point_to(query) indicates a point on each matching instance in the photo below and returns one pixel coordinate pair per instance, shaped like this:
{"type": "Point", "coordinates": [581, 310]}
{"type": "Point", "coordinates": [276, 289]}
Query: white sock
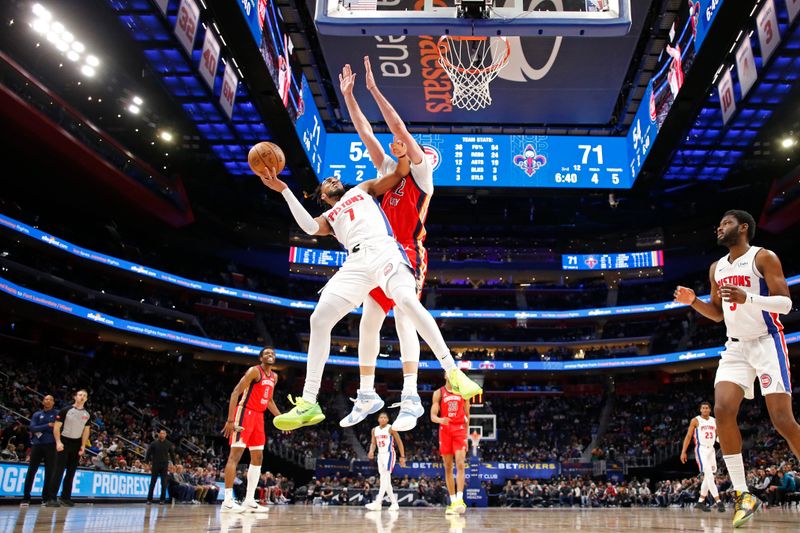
{"type": "Point", "coordinates": [735, 466]}
{"type": "Point", "coordinates": [253, 474]}
{"type": "Point", "coordinates": [452, 498]}
{"type": "Point", "coordinates": [367, 383]}
{"type": "Point", "coordinates": [228, 495]}
{"type": "Point", "coordinates": [409, 384]}
{"type": "Point", "coordinates": [459, 495]}
{"type": "Point", "coordinates": [330, 310]}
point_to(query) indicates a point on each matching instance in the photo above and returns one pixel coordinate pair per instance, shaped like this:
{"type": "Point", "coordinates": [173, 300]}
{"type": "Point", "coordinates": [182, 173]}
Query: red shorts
{"type": "Point", "coordinates": [418, 257]}
{"type": "Point", "coordinates": [252, 433]}
{"type": "Point", "coordinates": [452, 439]}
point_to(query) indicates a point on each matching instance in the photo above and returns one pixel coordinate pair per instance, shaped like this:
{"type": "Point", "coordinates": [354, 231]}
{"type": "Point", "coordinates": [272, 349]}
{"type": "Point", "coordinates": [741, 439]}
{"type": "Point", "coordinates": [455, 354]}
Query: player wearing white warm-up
{"type": "Point", "coordinates": [384, 439]}
{"type": "Point", "coordinates": [703, 430]}
{"type": "Point", "coordinates": [748, 292]}
{"type": "Point", "coordinates": [375, 259]}
{"type": "Point", "coordinates": [406, 207]}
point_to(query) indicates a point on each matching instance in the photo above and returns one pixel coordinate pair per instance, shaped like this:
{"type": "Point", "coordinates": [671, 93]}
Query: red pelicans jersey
{"type": "Point", "coordinates": [745, 321]}
{"type": "Point", "coordinates": [259, 393]}
{"type": "Point", "coordinates": [406, 206]}
{"type": "Point", "coordinates": [451, 406]}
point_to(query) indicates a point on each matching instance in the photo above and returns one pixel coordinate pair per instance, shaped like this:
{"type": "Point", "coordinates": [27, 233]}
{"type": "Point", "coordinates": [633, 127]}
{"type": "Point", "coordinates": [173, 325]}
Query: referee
{"type": "Point", "coordinates": [158, 455]}
{"type": "Point", "coordinates": [71, 431]}
{"type": "Point", "coordinates": [43, 448]}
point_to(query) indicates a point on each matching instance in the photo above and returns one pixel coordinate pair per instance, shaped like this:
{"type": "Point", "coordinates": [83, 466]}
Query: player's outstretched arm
{"type": "Point", "coordinates": [400, 447]}
{"type": "Point", "coordinates": [711, 310]}
{"type": "Point", "coordinates": [392, 118]}
{"type": "Point", "coordinates": [384, 184]}
{"type": "Point", "coordinates": [309, 224]}
{"type": "Point", "coordinates": [250, 376]}
{"type": "Point", "coordinates": [687, 439]}
{"type": "Point", "coordinates": [363, 127]}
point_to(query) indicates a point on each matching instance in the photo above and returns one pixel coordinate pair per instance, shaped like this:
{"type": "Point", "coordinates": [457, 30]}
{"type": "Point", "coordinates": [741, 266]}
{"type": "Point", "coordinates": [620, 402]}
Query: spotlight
{"type": "Point", "coordinates": [137, 100]}
{"type": "Point", "coordinates": [58, 27]}
{"type": "Point", "coordinates": [67, 37]}
{"type": "Point", "coordinates": [92, 61]}
{"type": "Point", "coordinates": [41, 26]}
{"type": "Point", "coordinates": [133, 108]}
{"type": "Point", "coordinates": [788, 142]}
{"type": "Point", "coordinates": [53, 37]}
{"type": "Point", "coordinates": [87, 71]}
{"type": "Point", "coordinates": [73, 55]}
{"type": "Point", "coordinates": [165, 136]}
{"type": "Point", "coordinates": [78, 47]}
{"type": "Point", "coordinates": [41, 12]}
{"type": "Point", "coordinates": [62, 46]}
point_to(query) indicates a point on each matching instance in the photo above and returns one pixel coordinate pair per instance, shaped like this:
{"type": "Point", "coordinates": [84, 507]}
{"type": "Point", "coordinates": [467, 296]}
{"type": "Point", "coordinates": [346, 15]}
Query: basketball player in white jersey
{"type": "Point", "coordinates": [703, 430]}
{"type": "Point", "coordinates": [375, 259]}
{"type": "Point", "coordinates": [748, 292]}
{"type": "Point", "coordinates": [384, 439]}
{"type": "Point", "coordinates": [406, 208]}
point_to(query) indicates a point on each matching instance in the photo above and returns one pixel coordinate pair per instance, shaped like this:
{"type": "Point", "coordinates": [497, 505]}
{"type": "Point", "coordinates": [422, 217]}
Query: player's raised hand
{"type": "Point", "coordinates": [347, 80]}
{"type": "Point", "coordinates": [370, 78]}
{"type": "Point", "coordinates": [731, 294]}
{"type": "Point", "coordinates": [398, 148]}
{"type": "Point", "coordinates": [685, 295]}
{"type": "Point", "coordinates": [270, 178]}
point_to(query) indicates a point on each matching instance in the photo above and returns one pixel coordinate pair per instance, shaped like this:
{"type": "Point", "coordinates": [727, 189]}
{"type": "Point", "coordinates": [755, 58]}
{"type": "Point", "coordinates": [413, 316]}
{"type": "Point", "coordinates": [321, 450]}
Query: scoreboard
{"type": "Point", "coordinates": [496, 160]}
{"type": "Point", "coordinates": [313, 256]}
{"type": "Point", "coordinates": [612, 261]}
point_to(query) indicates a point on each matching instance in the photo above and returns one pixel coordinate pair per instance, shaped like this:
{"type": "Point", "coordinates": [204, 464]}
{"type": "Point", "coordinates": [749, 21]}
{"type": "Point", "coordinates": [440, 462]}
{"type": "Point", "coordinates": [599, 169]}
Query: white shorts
{"type": "Point", "coordinates": [386, 462]}
{"type": "Point", "coordinates": [765, 358]}
{"type": "Point", "coordinates": [706, 458]}
{"type": "Point", "coordinates": [371, 266]}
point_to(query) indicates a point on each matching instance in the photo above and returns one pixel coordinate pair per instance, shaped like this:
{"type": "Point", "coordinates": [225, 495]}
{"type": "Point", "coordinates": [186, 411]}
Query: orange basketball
{"type": "Point", "coordinates": [266, 155]}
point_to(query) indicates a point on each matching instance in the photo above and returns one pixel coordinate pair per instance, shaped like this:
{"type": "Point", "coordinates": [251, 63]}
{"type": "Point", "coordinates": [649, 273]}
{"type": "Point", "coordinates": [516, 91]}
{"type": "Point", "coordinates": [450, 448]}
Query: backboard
{"type": "Point", "coordinates": [546, 18]}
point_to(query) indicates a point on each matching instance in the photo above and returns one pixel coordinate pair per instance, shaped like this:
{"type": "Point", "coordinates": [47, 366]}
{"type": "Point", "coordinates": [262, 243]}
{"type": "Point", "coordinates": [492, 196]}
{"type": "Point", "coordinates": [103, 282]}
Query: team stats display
{"type": "Point", "coordinates": [496, 160]}
{"type": "Point", "coordinates": [313, 256]}
{"type": "Point", "coordinates": [612, 261]}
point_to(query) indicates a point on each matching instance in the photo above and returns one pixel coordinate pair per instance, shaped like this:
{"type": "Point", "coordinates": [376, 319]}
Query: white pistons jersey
{"type": "Point", "coordinates": [357, 218]}
{"type": "Point", "coordinates": [705, 434]}
{"type": "Point", "coordinates": [383, 438]}
{"type": "Point", "coordinates": [745, 321]}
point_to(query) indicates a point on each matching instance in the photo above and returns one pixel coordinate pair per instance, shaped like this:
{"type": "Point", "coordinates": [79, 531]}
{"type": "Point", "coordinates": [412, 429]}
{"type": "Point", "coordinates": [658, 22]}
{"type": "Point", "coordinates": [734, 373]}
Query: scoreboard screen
{"type": "Point", "coordinates": [612, 261]}
{"type": "Point", "coordinates": [313, 256]}
{"type": "Point", "coordinates": [496, 160]}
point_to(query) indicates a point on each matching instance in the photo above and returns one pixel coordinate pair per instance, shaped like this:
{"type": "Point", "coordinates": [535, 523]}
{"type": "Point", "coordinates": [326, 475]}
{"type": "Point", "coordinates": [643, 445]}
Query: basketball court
{"type": "Point", "coordinates": [177, 519]}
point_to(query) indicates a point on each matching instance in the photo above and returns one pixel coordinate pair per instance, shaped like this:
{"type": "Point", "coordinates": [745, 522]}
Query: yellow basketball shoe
{"type": "Point", "coordinates": [462, 385]}
{"type": "Point", "coordinates": [302, 414]}
{"type": "Point", "coordinates": [746, 507]}
{"type": "Point", "coordinates": [452, 508]}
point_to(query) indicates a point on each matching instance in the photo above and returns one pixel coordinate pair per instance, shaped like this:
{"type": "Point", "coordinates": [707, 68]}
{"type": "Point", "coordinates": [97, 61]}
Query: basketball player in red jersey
{"type": "Point", "coordinates": [406, 207]}
{"type": "Point", "coordinates": [245, 429]}
{"type": "Point", "coordinates": [451, 412]}
{"type": "Point", "coordinates": [748, 292]}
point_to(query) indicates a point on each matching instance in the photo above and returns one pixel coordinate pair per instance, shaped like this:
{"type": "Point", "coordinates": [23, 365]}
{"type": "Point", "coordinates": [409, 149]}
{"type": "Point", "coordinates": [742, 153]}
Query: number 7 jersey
{"type": "Point", "coordinates": [357, 218]}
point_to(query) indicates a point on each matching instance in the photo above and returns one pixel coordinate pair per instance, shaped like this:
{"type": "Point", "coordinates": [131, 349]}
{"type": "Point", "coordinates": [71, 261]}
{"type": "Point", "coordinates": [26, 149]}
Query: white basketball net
{"type": "Point", "coordinates": [472, 63]}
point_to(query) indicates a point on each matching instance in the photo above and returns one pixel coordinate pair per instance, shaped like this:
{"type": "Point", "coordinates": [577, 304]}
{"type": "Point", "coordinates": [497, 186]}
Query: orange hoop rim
{"type": "Point", "coordinates": [473, 71]}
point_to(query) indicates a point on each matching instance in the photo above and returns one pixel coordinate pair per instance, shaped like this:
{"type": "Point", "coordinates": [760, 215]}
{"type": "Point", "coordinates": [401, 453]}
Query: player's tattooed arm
{"type": "Point", "coordinates": [250, 376]}
{"type": "Point", "coordinates": [711, 310]}
{"type": "Point", "coordinates": [384, 184]}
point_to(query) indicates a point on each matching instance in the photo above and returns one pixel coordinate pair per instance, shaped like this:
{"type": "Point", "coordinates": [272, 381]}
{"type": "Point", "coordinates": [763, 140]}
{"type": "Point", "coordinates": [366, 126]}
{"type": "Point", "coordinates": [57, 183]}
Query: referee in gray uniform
{"type": "Point", "coordinates": [71, 431]}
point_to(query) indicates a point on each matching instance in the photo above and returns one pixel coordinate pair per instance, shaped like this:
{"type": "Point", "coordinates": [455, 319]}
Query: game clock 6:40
{"type": "Point", "coordinates": [497, 160]}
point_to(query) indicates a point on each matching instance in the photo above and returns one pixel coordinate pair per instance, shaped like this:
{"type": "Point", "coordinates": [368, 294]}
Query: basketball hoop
{"type": "Point", "coordinates": [472, 63]}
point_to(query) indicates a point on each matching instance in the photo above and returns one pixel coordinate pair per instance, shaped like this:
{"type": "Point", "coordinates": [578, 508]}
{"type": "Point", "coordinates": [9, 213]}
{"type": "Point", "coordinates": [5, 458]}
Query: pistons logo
{"type": "Point", "coordinates": [766, 380]}
{"type": "Point", "coordinates": [387, 269]}
{"type": "Point", "coordinates": [433, 155]}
